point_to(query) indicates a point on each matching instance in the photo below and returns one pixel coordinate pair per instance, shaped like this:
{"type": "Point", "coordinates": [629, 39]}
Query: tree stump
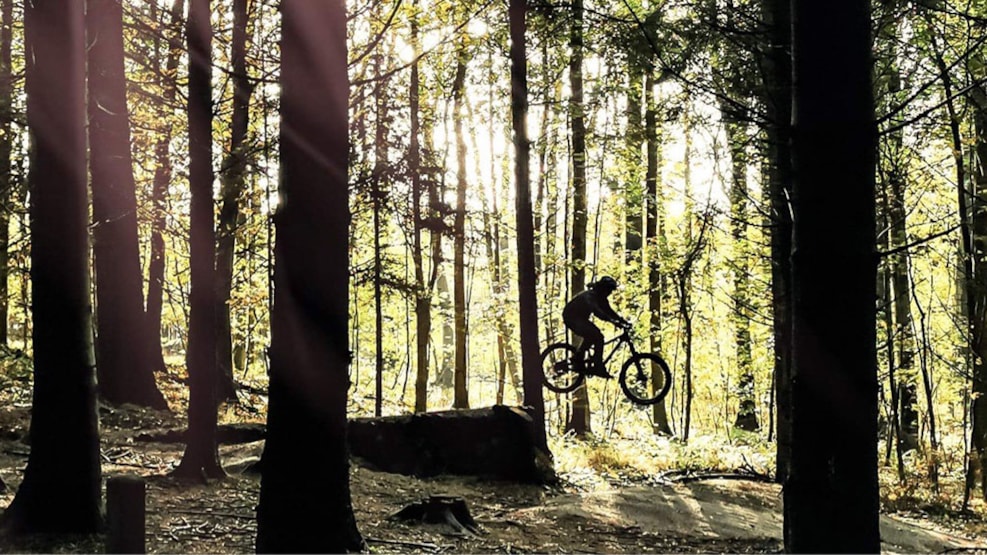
{"type": "Point", "coordinates": [441, 509]}
{"type": "Point", "coordinates": [125, 514]}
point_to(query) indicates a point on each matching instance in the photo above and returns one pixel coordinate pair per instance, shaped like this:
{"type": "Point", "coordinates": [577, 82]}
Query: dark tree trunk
{"type": "Point", "coordinates": [377, 198]}
{"type": "Point", "coordinates": [460, 390]}
{"type": "Point", "coordinates": [831, 493]}
{"type": "Point", "coordinates": [527, 280]}
{"type": "Point", "coordinates": [233, 184]}
{"type": "Point", "coordinates": [124, 374]}
{"type": "Point", "coordinates": [579, 419]}
{"type": "Point", "coordinates": [978, 282]}
{"type": "Point", "coordinates": [305, 503]}
{"type": "Point", "coordinates": [201, 458]}
{"type": "Point", "coordinates": [778, 96]}
{"type": "Point", "coordinates": [423, 290]}
{"type": "Point", "coordinates": [159, 192]}
{"type": "Point", "coordinates": [633, 191]}
{"type": "Point", "coordinates": [6, 147]}
{"type": "Point", "coordinates": [61, 488]}
{"type": "Point", "coordinates": [655, 198]}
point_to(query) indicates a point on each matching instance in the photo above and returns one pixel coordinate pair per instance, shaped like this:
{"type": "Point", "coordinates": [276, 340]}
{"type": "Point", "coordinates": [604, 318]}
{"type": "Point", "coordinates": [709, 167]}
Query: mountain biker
{"type": "Point", "coordinates": [576, 316]}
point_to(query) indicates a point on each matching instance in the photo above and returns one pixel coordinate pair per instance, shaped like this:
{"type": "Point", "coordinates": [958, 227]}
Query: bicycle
{"type": "Point", "coordinates": [644, 377]}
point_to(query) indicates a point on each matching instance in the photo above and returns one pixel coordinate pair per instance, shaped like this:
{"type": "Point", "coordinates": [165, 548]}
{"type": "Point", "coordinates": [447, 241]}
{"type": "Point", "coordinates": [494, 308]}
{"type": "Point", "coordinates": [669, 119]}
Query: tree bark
{"type": "Point", "coordinates": [460, 391]}
{"type": "Point", "coordinates": [305, 504]}
{"type": "Point", "coordinates": [527, 280]}
{"type": "Point", "coordinates": [579, 419]}
{"type": "Point", "coordinates": [978, 281]}
{"type": "Point", "coordinates": [61, 488]}
{"type": "Point", "coordinates": [6, 147]}
{"type": "Point", "coordinates": [377, 197]}
{"type": "Point", "coordinates": [778, 101]}
{"type": "Point", "coordinates": [233, 183]}
{"type": "Point", "coordinates": [159, 192]}
{"type": "Point", "coordinates": [423, 289]}
{"type": "Point", "coordinates": [831, 492]}
{"type": "Point", "coordinates": [654, 232]}
{"type": "Point", "coordinates": [124, 373]}
{"type": "Point", "coordinates": [201, 457]}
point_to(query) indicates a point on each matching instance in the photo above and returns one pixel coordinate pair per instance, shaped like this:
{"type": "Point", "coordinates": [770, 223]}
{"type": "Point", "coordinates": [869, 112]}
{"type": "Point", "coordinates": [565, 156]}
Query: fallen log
{"type": "Point", "coordinates": [226, 434]}
{"type": "Point", "coordinates": [494, 442]}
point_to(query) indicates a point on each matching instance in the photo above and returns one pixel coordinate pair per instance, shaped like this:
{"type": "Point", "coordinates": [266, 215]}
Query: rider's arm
{"type": "Point", "coordinates": [603, 310]}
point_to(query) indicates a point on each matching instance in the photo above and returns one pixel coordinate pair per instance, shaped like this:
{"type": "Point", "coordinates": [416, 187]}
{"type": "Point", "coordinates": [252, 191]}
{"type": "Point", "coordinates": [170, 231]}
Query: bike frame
{"type": "Point", "coordinates": [622, 339]}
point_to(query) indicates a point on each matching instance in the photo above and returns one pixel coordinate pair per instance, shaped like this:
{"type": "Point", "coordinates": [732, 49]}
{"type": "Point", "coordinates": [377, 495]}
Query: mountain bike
{"type": "Point", "coordinates": [644, 377]}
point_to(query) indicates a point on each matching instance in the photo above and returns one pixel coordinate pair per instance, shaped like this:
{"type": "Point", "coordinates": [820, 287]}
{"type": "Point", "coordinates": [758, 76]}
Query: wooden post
{"type": "Point", "coordinates": [125, 514]}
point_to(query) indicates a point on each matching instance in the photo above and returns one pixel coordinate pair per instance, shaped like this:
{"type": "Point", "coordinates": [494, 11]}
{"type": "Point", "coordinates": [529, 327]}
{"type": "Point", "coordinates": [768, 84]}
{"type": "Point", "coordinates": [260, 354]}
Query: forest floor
{"type": "Point", "coordinates": [625, 515]}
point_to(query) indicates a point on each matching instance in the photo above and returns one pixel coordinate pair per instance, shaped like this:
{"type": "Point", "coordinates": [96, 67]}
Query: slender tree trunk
{"type": "Point", "coordinates": [124, 376]}
{"type": "Point", "coordinates": [655, 199]}
{"type": "Point", "coordinates": [446, 356]}
{"type": "Point", "coordinates": [233, 184]}
{"type": "Point", "coordinates": [886, 299]}
{"type": "Point", "coordinates": [6, 147]}
{"type": "Point", "coordinates": [633, 191]}
{"type": "Point", "coordinates": [978, 281]}
{"type": "Point", "coordinates": [60, 492]}
{"type": "Point", "coordinates": [305, 503]}
{"type": "Point", "coordinates": [579, 420]}
{"type": "Point", "coordinates": [377, 197]}
{"type": "Point", "coordinates": [527, 282]}
{"type": "Point", "coordinates": [423, 290]}
{"type": "Point", "coordinates": [201, 457]}
{"type": "Point", "coordinates": [831, 493]}
{"type": "Point", "coordinates": [737, 140]}
{"type": "Point", "coordinates": [460, 390]}
{"type": "Point", "coordinates": [159, 192]}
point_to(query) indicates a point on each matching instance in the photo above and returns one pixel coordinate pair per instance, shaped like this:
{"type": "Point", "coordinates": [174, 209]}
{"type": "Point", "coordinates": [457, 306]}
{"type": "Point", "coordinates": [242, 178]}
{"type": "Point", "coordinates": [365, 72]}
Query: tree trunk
{"type": "Point", "coordinates": [736, 134]}
{"type": "Point", "coordinates": [831, 493]}
{"type": "Point", "coordinates": [377, 197]}
{"type": "Point", "coordinates": [460, 390]}
{"type": "Point", "coordinates": [655, 200]}
{"type": "Point", "coordinates": [423, 290]}
{"type": "Point", "coordinates": [446, 356]}
{"type": "Point", "coordinates": [527, 280]}
{"type": "Point", "coordinates": [978, 282]}
{"type": "Point", "coordinates": [778, 97]}
{"type": "Point", "coordinates": [633, 191]}
{"type": "Point", "coordinates": [159, 192]}
{"type": "Point", "coordinates": [579, 420]}
{"type": "Point", "coordinates": [6, 147]}
{"type": "Point", "coordinates": [201, 457]}
{"type": "Point", "coordinates": [124, 374]}
{"type": "Point", "coordinates": [61, 488]}
{"type": "Point", "coordinates": [305, 504]}
{"type": "Point", "coordinates": [233, 183]}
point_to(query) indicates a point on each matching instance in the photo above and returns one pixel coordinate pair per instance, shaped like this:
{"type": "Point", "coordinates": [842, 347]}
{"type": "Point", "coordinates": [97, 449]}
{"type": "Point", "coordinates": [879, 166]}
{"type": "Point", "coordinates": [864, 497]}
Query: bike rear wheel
{"type": "Point", "coordinates": [645, 378]}
{"type": "Point", "coordinates": [557, 367]}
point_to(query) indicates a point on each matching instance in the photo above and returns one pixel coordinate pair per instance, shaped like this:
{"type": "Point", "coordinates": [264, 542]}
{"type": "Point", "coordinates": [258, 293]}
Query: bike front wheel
{"type": "Point", "coordinates": [645, 378]}
{"type": "Point", "coordinates": [558, 368]}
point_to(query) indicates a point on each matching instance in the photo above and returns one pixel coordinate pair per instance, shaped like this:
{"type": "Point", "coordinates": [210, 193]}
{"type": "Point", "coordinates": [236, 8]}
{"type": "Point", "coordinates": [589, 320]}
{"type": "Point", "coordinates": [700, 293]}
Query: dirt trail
{"type": "Point", "coordinates": [710, 516]}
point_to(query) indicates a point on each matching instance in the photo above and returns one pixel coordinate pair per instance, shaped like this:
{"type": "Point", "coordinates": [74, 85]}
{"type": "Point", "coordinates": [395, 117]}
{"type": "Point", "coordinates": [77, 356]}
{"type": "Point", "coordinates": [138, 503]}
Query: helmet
{"type": "Point", "coordinates": [605, 284]}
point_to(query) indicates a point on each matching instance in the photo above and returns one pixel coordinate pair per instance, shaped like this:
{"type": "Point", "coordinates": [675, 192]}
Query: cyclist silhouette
{"type": "Point", "coordinates": [576, 316]}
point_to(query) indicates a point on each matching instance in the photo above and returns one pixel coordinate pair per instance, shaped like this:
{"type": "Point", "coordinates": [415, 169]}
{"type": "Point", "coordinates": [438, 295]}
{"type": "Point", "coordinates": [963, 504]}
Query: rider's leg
{"type": "Point", "coordinates": [592, 337]}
